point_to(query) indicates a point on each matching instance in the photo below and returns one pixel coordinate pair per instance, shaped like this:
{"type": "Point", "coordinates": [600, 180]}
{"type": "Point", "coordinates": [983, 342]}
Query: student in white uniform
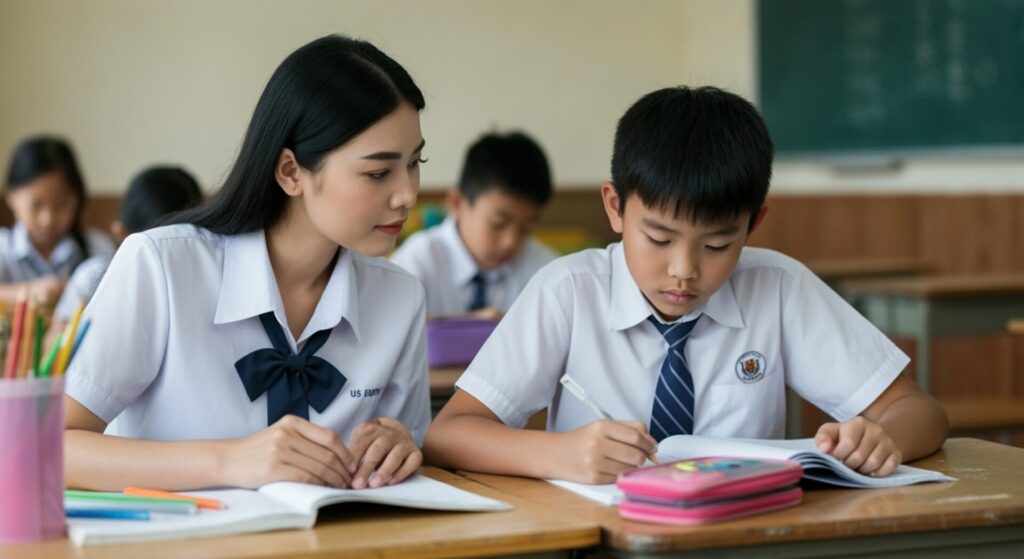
{"type": "Point", "coordinates": [680, 328]}
{"type": "Point", "coordinates": [480, 258]}
{"type": "Point", "coordinates": [46, 193]}
{"type": "Point", "coordinates": [153, 194]}
{"type": "Point", "coordinates": [259, 340]}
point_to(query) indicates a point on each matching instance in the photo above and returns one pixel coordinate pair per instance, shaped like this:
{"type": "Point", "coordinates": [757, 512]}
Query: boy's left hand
{"type": "Point", "coordinates": [385, 452]}
{"type": "Point", "coordinates": [861, 444]}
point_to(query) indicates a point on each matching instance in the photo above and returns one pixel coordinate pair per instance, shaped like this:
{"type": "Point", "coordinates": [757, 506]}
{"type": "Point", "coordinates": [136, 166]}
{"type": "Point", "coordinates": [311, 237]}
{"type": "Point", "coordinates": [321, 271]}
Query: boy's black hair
{"type": "Point", "coordinates": [704, 154]}
{"type": "Point", "coordinates": [323, 95]}
{"type": "Point", "coordinates": [40, 155]}
{"type": "Point", "coordinates": [513, 163]}
{"type": "Point", "coordinates": [155, 193]}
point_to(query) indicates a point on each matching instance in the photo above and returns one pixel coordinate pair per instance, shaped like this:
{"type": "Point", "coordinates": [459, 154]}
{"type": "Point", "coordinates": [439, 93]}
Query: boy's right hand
{"type": "Point", "coordinates": [599, 451]}
{"type": "Point", "coordinates": [293, 449]}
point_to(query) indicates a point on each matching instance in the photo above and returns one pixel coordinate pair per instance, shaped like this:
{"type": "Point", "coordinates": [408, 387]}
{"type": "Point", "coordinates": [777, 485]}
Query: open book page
{"type": "Point", "coordinates": [606, 493]}
{"type": "Point", "coordinates": [275, 506]}
{"type": "Point", "coordinates": [247, 511]}
{"type": "Point", "coordinates": [817, 465]}
{"type": "Point", "coordinates": [417, 491]}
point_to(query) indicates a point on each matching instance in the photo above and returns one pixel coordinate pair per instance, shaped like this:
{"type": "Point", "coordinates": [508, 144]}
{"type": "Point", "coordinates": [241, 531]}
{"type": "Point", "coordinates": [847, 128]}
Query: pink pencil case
{"type": "Point", "coordinates": [708, 489]}
{"type": "Point", "coordinates": [455, 341]}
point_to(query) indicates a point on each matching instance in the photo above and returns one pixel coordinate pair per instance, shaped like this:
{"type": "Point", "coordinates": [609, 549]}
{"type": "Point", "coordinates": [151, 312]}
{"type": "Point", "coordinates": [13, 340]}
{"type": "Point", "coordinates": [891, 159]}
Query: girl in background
{"type": "Point", "coordinates": [45, 192]}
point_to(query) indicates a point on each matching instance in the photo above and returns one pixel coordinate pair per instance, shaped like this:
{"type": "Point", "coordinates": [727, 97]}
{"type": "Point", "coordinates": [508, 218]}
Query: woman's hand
{"type": "Point", "coordinates": [385, 451]}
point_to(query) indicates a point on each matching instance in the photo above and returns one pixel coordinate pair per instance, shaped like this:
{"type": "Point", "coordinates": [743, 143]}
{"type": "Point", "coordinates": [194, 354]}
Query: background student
{"type": "Point", "coordinates": [480, 258]}
{"type": "Point", "coordinates": [152, 194]}
{"type": "Point", "coordinates": [46, 193]}
{"type": "Point", "coordinates": [258, 340]}
{"type": "Point", "coordinates": [680, 327]}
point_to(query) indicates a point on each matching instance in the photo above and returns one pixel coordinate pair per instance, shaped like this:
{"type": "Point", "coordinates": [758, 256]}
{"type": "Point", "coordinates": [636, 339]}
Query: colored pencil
{"type": "Point", "coordinates": [107, 514]}
{"type": "Point", "coordinates": [27, 339]}
{"type": "Point", "coordinates": [37, 347]}
{"type": "Point", "coordinates": [51, 356]}
{"type": "Point", "coordinates": [121, 497]}
{"type": "Point", "coordinates": [14, 345]}
{"type": "Point", "coordinates": [104, 500]}
{"type": "Point", "coordinates": [78, 339]}
{"type": "Point", "coordinates": [202, 502]}
{"type": "Point", "coordinates": [64, 355]}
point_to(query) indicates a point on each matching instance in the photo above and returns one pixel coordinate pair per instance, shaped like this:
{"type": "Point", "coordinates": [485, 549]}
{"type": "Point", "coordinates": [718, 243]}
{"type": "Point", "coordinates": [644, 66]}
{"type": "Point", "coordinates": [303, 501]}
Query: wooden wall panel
{"type": "Point", "coordinates": [835, 227]}
{"type": "Point", "coordinates": [955, 234]}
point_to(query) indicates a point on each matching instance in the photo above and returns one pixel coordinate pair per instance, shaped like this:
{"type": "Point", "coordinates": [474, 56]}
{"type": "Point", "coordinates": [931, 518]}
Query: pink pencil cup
{"type": "Point", "coordinates": [31, 459]}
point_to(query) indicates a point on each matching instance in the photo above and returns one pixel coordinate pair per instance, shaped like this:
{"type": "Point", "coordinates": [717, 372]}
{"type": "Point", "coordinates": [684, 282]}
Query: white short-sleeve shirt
{"type": "Point", "coordinates": [20, 261]}
{"type": "Point", "coordinates": [443, 263]}
{"type": "Point", "coordinates": [772, 324]}
{"type": "Point", "coordinates": [179, 306]}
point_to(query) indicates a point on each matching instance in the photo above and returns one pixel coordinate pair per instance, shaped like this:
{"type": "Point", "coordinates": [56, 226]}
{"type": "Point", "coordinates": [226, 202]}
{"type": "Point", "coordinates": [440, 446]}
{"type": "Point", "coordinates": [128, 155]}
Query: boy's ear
{"type": "Point", "coordinates": [288, 173]}
{"type": "Point", "coordinates": [612, 206]}
{"type": "Point", "coordinates": [758, 219]}
{"type": "Point", "coordinates": [455, 202]}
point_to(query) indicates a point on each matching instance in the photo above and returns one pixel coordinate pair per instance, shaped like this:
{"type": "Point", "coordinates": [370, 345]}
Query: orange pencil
{"type": "Point", "coordinates": [201, 502]}
{"type": "Point", "coordinates": [17, 327]}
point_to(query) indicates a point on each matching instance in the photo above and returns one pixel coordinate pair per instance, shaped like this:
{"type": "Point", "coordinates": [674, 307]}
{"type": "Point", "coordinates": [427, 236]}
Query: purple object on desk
{"type": "Point", "coordinates": [455, 341]}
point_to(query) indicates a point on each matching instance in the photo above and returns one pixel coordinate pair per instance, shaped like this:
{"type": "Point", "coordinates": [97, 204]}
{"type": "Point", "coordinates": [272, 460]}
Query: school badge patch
{"type": "Point", "coordinates": [750, 367]}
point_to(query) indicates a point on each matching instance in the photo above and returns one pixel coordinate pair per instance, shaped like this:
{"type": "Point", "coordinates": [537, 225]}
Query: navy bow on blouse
{"type": "Point", "coordinates": [294, 382]}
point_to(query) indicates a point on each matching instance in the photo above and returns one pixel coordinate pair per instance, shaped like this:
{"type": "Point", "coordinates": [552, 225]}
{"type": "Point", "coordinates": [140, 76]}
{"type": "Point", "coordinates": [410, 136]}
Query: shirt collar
{"type": "Point", "coordinates": [249, 288]}
{"type": "Point", "coordinates": [629, 307]}
{"type": "Point", "coordinates": [23, 248]}
{"type": "Point", "coordinates": [463, 266]}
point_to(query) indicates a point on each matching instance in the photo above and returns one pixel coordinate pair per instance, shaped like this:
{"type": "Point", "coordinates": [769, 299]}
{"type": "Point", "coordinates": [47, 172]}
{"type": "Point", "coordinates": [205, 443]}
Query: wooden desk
{"type": "Point", "coordinates": [1015, 326]}
{"type": "Point", "coordinates": [980, 413]}
{"type": "Point", "coordinates": [442, 381]}
{"type": "Point", "coordinates": [835, 271]}
{"type": "Point", "coordinates": [442, 386]}
{"type": "Point", "coordinates": [927, 307]}
{"type": "Point", "coordinates": [359, 530]}
{"type": "Point", "coordinates": [981, 515]}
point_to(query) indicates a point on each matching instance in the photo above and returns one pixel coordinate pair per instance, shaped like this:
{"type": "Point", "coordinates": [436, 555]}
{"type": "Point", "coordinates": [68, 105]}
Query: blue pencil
{"type": "Point", "coordinates": [108, 514]}
{"type": "Point", "coordinates": [78, 338]}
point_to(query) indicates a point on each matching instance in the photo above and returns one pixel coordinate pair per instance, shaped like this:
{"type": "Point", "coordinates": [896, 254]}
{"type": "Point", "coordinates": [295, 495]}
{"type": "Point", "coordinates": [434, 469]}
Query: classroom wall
{"type": "Point", "coordinates": [134, 82]}
{"type": "Point", "coordinates": [138, 81]}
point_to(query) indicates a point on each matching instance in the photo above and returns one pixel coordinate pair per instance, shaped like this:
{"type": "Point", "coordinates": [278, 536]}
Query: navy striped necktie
{"type": "Point", "coordinates": [294, 382]}
{"type": "Point", "coordinates": [479, 299]}
{"type": "Point", "coordinates": [674, 397]}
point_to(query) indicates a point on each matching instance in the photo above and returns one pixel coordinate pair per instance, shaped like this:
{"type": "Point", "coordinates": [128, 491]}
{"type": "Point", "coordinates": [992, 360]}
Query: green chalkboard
{"type": "Point", "coordinates": [841, 76]}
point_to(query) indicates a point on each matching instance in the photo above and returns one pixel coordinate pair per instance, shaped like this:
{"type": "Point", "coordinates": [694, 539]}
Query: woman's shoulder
{"type": "Point", "coordinates": [385, 275]}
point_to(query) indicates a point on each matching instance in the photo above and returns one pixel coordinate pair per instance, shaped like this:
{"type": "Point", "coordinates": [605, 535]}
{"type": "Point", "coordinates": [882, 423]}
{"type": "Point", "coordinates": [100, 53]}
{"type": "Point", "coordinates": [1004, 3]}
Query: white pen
{"type": "Point", "coordinates": [581, 395]}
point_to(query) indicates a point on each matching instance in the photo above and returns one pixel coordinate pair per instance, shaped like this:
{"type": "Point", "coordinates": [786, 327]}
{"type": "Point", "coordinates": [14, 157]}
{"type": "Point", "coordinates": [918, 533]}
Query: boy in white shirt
{"type": "Point", "coordinates": [480, 259]}
{"type": "Point", "coordinates": [679, 327]}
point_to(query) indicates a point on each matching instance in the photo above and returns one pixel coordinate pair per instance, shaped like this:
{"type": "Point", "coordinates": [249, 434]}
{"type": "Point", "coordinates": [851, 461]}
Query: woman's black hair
{"type": "Point", "coordinates": [41, 155]}
{"type": "Point", "coordinates": [321, 96]}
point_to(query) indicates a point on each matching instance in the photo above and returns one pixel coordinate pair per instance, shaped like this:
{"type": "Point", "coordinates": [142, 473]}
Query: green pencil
{"type": "Point", "coordinates": [51, 356]}
{"type": "Point", "coordinates": [37, 346]}
{"type": "Point", "coordinates": [156, 504]}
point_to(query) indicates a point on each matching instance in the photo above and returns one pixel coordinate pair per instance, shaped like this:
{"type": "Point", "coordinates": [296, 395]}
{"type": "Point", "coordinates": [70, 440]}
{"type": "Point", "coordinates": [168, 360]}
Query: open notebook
{"type": "Point", "coordinates": [275, 506]}
{"type": "Point", "coordinates": [817, 465]}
